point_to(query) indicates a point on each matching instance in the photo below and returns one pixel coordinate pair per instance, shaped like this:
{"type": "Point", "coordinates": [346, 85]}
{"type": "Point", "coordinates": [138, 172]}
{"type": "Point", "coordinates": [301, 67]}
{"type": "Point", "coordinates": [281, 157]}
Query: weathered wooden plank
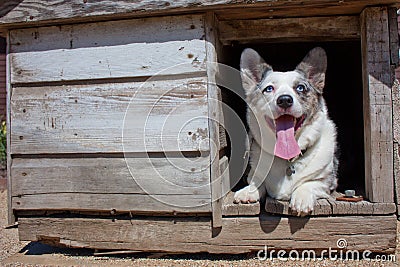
{"type": "Point", "coordinates": [394, 37]}
{"type": "Point", "coordinates": [397, 174]}
{"type": "Point", "coordinates": [214, 115]}
{"type": "Point", "coordinates": [28, 12]}
{"type": "Point", "coordinates": [377, 83]}
{"type": "Point", "coordinates": [238, 235]}
{"type": "Point", "coordinates": [231, 209]}
{"type": "Point", "coordinates": [362, 207]}
{"type": "Point", "coordinates": [173, 175]}
{"type": "Point", "coordinates": [142, 230]}
{"type": "Point", "coordinates": [323, 207]}
{"type": "Point", "coordinates": [167, 115]}
{"type": "Point", "coordinates": [332, 207]}
{"type": "Point", "coordinates": [115, 49]}
{"type": "Point", "coordinates": [11, 218]}
{"type": "Point", "coordinates": [279, 9]}
{"type": "Point", "coordinates": [290, 29]}
{"type": "Point", "coordinates": [396, 139]}
{"type": "Point", "coordinates": [155, 203]}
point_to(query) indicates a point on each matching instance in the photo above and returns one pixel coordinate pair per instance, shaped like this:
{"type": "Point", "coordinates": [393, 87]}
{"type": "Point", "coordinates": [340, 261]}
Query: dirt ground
{"type": "Point", "coordinates": [16, 253]}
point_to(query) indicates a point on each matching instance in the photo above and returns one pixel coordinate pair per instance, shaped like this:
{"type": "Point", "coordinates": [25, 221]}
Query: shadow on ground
{"type": "Point", "coordinates": [37, 248]}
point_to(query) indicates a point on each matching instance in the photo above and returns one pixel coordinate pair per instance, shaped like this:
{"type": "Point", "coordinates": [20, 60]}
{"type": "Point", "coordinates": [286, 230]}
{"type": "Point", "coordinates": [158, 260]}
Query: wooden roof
{"type": "Point", "coordinates": [27, 13]}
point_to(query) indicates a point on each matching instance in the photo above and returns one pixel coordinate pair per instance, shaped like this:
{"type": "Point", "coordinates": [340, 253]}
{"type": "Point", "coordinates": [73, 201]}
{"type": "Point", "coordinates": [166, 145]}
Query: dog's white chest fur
{"type": "Point", "coordinates": [289, 107]}
{"type": "Point", "coordinates": [316, 161]}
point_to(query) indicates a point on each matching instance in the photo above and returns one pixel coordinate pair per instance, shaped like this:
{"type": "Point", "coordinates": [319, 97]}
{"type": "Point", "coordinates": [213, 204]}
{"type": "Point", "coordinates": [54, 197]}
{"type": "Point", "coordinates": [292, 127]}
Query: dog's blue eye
{"type": "Point", "coordinates": [300, 88]}
{"type": "Point", "coordinates": [268, 89]}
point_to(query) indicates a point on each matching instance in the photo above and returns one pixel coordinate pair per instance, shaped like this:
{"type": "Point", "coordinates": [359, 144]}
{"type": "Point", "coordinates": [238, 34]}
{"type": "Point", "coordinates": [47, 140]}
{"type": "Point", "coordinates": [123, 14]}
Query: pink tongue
{"type": "Point", "coordinates": [286, 146]}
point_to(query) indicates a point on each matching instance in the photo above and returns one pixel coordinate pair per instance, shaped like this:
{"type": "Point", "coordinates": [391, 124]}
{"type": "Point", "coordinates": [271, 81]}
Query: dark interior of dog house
{"type": "Point", "coordinates": [343, 94]}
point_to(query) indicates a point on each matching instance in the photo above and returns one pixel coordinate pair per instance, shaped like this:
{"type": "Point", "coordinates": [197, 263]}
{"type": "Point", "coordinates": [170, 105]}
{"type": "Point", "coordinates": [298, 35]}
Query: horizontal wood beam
{"type": "Point", "coordinates": [134, 203]}
{"type": "Point", "coordinates": [332, 207]}
{"type": "Point", "coordinates": [238, 234]}
{"type": "Point", "coordinates": [158, 175]}
{"type": "Point", "coordinates": [152, 116]}
{"type": "Point", "coordinates": [23, 13]}
{"type": "Point", "coordinates": [146, 47]}
{"type": "Point", "coordinates": [290, 29]}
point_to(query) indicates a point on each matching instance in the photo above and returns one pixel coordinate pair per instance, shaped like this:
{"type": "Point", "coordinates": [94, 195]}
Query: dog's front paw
{"type": "Point", "coordinates": [249, 194]}
{"type": "Point", "coordinates": [302, 202]}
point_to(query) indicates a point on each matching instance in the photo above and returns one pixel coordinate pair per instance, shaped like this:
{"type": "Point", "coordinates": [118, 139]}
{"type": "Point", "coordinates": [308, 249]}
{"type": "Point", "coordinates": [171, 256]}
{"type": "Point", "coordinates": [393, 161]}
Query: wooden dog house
{"type": "Point", "coordinates": [91, 83]}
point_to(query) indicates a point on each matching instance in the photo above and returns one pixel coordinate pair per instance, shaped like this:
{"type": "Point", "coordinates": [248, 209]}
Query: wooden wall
{"type": "Point", "coordinates": [102, 112]}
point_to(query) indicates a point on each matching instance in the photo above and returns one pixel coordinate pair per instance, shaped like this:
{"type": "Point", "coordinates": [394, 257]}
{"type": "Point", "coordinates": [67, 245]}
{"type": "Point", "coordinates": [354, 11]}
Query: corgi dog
{"type": "Point", "coordinates": [292, 139]}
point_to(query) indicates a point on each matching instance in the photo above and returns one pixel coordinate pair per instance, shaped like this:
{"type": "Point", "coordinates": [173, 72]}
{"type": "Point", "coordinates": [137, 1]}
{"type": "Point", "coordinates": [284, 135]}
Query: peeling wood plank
{"type": "Point", "coordinates": [238, 235]}
{"type": "Point", "coordinates": [102, 175]}
{"type": "Point", "coordinates": [290, 29]}
{"type": "Point", "coordinates": [377, 84]}
{"type": "Point", "coordinates": [151, 116]}
{"type": "Point", "coordinates": [115, 49]}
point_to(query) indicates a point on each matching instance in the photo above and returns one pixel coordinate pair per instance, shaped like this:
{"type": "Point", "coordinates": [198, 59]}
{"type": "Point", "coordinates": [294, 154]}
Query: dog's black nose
{"type": "Point", "coordinates": [285, 101]}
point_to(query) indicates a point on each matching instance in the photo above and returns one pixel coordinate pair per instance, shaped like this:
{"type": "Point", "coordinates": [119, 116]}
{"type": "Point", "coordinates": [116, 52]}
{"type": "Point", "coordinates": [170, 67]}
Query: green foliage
{"type": "Point", "coordinates": [3, 143]}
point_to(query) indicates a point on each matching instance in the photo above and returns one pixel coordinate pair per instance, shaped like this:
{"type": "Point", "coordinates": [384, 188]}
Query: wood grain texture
{"type": "Point", "coordinates": [394, 37]}
{"type": "Point", "coordinates": [11, 217]}
{"type": "Point", "coordinates": [333, 207]}
{"type": "Point", "coordinates": [378, 125]}
{"type": "Point", "coordinates": [34, 12]}
{"type": "Point", "coordinates": [314, 8]}
{"type": "Point", "coordinates": [290, 29]}
{"type": "Point", "coordinates": [115, 49]}
{"type": "Point", "coordinates": [396, 139]}
{"type": "Point", "coordinates": [396, 152]}
{"type": "Point", "coordinates": [214, 119]}
{"type": "Point", "coordinates": [238, 235]}
{"type": "Point", "coordinates": [135, 203]}
{"type": "Point", "coordinates": [166, 115]}
{"type": "Point", "coordinates": [141, 175]}
{"type": "Point", "coordinates": [231, 209]}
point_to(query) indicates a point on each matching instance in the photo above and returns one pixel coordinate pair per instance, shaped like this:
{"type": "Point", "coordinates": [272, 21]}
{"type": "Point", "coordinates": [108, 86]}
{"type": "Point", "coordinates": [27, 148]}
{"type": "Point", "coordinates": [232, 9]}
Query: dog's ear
{"type": "Point", "coordinates": [314, 67]}
{"type": "Point", "coordinates": [252, 68]}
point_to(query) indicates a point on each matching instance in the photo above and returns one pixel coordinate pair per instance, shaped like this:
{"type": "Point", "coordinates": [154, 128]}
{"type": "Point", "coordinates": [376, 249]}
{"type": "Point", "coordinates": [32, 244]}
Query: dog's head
{"type": "Point", "coordinates": [287, 100]}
